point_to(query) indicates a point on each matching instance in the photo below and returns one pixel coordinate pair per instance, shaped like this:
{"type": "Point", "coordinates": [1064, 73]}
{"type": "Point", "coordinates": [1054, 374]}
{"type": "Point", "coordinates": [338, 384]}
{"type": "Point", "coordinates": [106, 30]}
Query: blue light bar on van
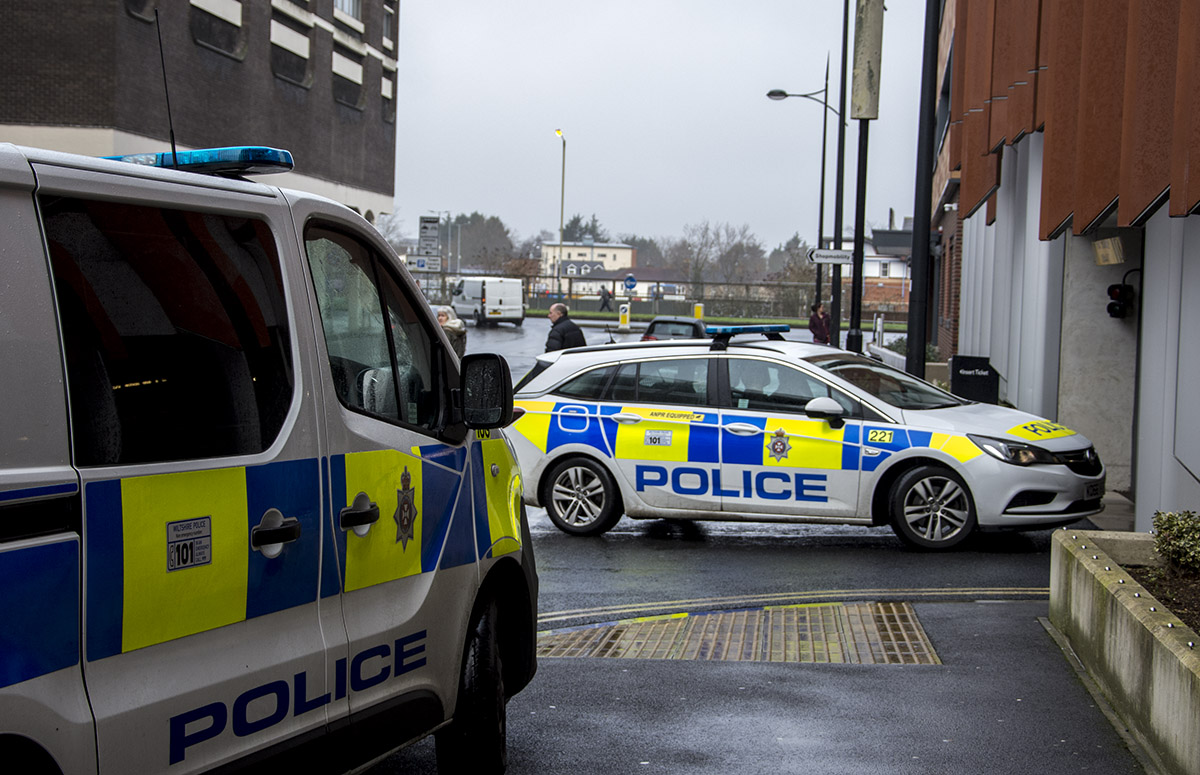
{"type": "Point", "coordinates": [235, 160]}
{"type": "Point", "coordinates": [731, 330]}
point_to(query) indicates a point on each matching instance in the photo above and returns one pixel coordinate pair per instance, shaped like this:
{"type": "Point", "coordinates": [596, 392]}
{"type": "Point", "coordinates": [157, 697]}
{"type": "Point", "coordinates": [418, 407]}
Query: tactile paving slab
{"type": "Point", "coordinates": [849, 633]}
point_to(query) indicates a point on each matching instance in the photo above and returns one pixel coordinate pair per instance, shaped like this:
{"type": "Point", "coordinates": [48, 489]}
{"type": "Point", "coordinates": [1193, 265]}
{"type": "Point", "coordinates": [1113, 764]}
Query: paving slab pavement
{"type": "Point", "coordinates": [1004, 700]}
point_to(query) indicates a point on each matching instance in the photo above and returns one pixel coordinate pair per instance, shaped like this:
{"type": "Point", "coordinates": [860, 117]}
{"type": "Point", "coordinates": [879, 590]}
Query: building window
{"type": "Point", "coordinates": [884, 268]}
{"type": "Point", "coordinates": [217, 25]}
{"type": "Point", "coordinates": [389, 27]}
{"type": "Point", "coordinates": [349, 7]}
{"type": "Point", "coordinates": [347, 78]}
{"type": "Point", "coordinates": [290, 52]}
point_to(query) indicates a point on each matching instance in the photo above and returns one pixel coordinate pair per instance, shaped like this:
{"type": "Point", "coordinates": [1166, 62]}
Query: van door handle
{"type": "Point", "coordinates": [743, 429]}
{"type": "Point", "coordinates": [360, 515]}
{"type": "Point", "coordinates": [272, 532]}
{"type": "Point", "coordinates": [284, 534]}
{"type": "Point", "coordinates": [625, 418]}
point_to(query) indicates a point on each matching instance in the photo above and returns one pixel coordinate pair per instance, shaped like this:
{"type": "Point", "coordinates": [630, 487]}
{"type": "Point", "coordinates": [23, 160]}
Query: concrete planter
{"type": "Point", "coordinates": [1143, 658]}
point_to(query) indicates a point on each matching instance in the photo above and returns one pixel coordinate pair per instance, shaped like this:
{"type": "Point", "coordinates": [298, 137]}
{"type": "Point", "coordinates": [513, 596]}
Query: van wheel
{"type": "Point", "coordinates": [581, 497]}
{"type": "Point", "coordinates": [476, 739]}
{"type": "Point", "coordinates": [932, 508]}
{"type": "Point", "coordinates": [519, 322]}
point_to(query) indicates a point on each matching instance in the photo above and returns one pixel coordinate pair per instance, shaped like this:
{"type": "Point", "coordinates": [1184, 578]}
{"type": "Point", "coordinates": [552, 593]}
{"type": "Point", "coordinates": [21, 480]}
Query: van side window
{"type": "Point", "coordinates": [382, 362]}
{"type": "Point", "coordinates": [175, 329]}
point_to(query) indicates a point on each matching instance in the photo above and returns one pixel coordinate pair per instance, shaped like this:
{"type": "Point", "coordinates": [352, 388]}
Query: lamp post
{"type": "Point", "coordinates": [780, 94]}
{"type": "Point", "coordinates": [835, 290]}
{"type": "Point", "coordinates": [562, 203]}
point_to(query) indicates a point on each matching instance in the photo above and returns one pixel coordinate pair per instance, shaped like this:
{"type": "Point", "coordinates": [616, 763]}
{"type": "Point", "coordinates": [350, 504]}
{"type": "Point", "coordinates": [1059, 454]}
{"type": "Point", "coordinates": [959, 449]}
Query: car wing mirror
{"type": "Point", "coordinates": [825, 408]}
{"type": "Point", "coordinates": [487, 393]}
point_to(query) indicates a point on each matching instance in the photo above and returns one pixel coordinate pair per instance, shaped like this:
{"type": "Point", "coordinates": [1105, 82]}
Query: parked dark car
{"type": "Point", "coordinates": [668, 327]}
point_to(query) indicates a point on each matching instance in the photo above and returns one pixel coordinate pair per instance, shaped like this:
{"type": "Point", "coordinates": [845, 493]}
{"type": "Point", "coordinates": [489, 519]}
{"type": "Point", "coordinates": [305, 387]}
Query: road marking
{"type": "Point", "coordinates": [784, 598]}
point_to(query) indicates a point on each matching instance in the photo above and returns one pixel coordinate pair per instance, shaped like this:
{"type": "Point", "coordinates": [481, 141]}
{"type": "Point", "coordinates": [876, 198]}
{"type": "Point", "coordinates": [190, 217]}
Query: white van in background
{"type": "Point", "coordinates": [488, 300]}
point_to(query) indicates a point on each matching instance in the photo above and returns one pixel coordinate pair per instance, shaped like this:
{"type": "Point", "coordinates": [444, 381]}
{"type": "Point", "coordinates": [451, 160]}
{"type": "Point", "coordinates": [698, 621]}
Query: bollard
{"type": "Point", "coordinates": [698, 311]}
{"type": "Point", "coordinates": [623, 312]}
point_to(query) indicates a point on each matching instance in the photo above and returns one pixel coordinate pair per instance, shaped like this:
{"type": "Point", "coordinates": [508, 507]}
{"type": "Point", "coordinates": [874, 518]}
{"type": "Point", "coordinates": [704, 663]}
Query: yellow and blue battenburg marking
{"type": "Point", "coordinates": [136, 600]}
{"type": "Point", "coordinates": [694, 436]}
{"type": "Point", "coordinates": [40, 605]}
{"type": "Point", "coordinates": [139, 595]}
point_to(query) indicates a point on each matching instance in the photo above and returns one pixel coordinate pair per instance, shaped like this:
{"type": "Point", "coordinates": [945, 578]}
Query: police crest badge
{"type": "Point", "coordinates": [406, 510]}
{"type": "Point", "coordinates": [778, 445]}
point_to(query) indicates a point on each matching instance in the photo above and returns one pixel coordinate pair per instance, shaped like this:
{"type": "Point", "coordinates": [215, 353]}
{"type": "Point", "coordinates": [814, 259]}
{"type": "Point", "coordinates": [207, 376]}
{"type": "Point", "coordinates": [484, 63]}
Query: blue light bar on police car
{"type": "Point", "coordinates": [731, 330]}
{"type": "Point", "coordinates": [235, 160]}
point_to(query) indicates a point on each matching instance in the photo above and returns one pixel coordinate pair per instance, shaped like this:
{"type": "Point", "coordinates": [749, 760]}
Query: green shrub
{"type": "Point", "coordinates": [900, 345]}
{"type": "Point", "coordinates": [1177, 539]}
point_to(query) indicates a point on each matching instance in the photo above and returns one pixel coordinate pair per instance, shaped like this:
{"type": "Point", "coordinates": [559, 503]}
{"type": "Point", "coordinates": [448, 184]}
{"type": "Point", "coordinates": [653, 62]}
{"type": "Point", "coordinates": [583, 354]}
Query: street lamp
{"type": "Point", "coordinates": [562, 202]}
{"type": "Point", "coordinates": [780, 94]}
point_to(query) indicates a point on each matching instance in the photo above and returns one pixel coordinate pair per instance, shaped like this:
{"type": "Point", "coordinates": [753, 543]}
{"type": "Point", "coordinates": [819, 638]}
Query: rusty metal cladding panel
{"type": "Point", "coordinates": [1025, 55]}
{"type": "Point", "coordinates": [1003, 55]}
{"type": "Point", "coordinates": [957, 85]}
{"type": "Point", "coordinates": [1150, 61]}
{"type": "Point", "coordinates": [979, 170]}
{"type": "Point", "coordinates": [1101, 110]}
{"type": "Point", "coordinates": [1061, 81]}
{"type": "Point", "coordinates": [1040, 82]}
{"type": "Point", "coordinates": [1185, 143]}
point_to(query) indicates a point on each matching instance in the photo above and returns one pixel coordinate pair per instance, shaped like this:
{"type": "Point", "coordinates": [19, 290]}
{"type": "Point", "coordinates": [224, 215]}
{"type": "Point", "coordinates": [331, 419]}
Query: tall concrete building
{"type": "Point", "coordinates": [316, 77]}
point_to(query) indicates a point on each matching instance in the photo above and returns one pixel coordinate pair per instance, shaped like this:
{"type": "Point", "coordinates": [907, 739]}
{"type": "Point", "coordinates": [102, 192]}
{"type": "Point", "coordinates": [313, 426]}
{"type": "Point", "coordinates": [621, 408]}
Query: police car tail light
{"type": "Point", "coordinates": [1014, 452]}
{"type": "Point", "coordinates": [234, 160]}
{"type": "Point", "coordinates": [649, 338]}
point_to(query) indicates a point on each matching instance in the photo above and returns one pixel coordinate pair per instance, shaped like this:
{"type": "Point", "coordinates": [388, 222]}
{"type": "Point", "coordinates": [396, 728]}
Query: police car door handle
{"type": "Point", "coordinates": [626, 419]}
{"type": "Point", "coordinates": [743, 429]}
{"type": "Point", "coordinates": [359, 515]}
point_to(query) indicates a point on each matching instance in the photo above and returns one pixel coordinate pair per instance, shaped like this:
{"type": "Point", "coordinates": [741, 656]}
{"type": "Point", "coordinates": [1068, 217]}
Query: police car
{"type": "Point", "coordinates": [759, 428]}
{"type": "Point", "coordinates": [252, 507]}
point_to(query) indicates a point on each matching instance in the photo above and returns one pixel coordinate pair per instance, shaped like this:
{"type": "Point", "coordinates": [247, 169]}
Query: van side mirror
{"type": "Point", "coordinates": [825, 408]}
{"type": "Point", "coordinates": [487, 393]}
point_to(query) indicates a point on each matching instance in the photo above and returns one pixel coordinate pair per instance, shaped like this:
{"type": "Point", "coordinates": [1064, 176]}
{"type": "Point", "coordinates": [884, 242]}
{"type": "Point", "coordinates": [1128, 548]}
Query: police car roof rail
{"type": "Point", "coordinates": [722, 334]}
{"type": "Point", "coordinates": [231, 161]}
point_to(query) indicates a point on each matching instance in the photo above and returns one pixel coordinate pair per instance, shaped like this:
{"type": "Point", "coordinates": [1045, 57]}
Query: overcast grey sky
{"type": "Point", "coordinates": [663, 103]}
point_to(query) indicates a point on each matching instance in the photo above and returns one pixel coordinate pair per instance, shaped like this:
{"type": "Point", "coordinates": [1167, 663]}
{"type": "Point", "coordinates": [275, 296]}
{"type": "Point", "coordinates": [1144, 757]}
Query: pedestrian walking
{"type": "Point", "coordinates": [563, 331]}
{"type": "Point", "coordinates": [818, 324]}
{"type": "Point", "coordinates": [605, 298]}
{"type": "Point", "coordinates": [456, 330]}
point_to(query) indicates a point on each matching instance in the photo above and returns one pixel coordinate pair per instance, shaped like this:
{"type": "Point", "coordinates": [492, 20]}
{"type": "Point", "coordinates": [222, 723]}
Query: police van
{"type": "Point", "coordinates": [251, 507]}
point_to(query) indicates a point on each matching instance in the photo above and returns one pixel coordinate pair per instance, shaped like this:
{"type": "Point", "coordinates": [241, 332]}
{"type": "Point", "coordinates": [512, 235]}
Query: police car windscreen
{"type": "Point", "coordinates": [896, 387]}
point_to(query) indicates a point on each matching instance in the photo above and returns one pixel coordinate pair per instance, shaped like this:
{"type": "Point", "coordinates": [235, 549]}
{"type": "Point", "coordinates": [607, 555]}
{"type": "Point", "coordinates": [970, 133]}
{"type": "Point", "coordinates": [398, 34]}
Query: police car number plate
{"type": "Point", "coordinates": [189, 543]}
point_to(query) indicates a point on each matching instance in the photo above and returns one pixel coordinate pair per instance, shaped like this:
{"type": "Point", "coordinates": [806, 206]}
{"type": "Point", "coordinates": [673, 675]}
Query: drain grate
{"type": "Point", "coordinates": [851, 633]}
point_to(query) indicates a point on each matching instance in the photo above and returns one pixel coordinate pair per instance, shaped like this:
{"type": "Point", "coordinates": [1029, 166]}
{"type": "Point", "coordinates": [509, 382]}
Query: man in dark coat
{"type": "Point", "coordinates": [605, 299]}
{"type": "Point", "coordinates": [563, 331]}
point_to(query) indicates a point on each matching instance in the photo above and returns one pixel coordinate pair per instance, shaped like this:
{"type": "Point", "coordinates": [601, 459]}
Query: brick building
{"type": "Point", "coordinates": [317, 77]}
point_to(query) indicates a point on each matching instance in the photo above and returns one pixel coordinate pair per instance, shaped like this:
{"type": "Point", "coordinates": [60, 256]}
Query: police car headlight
{"type": "Point", "coordinates": [1014, 452]}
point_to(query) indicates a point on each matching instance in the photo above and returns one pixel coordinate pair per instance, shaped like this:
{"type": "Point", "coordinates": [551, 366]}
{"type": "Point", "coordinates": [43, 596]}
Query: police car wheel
{"type": "Point", "coordinates": [932, 508]}
{"type": "Point", "coordinates": [581, 497]}
{"type": "Point", "coordinates": [476, 740]}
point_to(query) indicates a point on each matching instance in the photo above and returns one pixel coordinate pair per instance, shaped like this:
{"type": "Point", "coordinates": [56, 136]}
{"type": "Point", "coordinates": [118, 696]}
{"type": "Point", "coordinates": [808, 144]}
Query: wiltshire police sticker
{"type": "Point", "coordinates": [406, 510]}
{"type": "Point", "coordinates": [658, 438]}
{"type": "Point", "coordinates": [189, 543]}
{"type": "Point", "coordinates": [778, 445]}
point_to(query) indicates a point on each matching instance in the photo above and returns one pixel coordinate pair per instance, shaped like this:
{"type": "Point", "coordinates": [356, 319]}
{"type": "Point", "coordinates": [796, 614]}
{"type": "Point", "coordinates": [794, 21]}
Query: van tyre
{"type": "Point", "coordinates": [931, 508]}
{"type": "Point", "coordinates": [476, 739]}
{"type": "Point", "coordinates": [581, 497]}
